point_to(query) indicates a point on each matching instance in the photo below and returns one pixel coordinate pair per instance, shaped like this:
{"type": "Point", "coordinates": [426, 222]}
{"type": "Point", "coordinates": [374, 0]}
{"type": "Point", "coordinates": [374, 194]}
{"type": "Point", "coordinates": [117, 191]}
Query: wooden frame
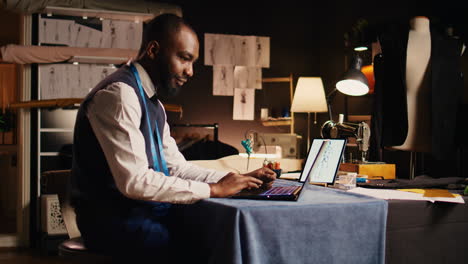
{"type": "Point", "coordinates": [289, 80]}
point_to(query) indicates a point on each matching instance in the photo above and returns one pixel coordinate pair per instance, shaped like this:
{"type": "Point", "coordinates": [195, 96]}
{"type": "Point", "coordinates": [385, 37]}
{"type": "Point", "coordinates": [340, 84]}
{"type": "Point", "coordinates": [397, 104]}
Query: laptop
{"type": "Point", "coordinates": [321, 166]}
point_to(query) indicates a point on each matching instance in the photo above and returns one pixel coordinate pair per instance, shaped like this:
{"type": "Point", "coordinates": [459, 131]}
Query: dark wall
{"type": "Point", "coordinates": [307, 39]}
{"type": "Point", "coordinates": [294, 45]}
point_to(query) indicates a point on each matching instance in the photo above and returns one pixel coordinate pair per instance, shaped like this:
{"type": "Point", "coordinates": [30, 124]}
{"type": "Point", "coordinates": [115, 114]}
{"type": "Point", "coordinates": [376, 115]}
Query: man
{"type": "Point", "coordinates": [127, 170]}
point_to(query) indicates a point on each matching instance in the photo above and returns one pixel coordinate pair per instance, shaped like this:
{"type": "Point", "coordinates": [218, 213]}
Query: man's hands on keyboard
{"type": "Point", "coordinates": [232, 183]}
{"type": "Point", "coordinates": [266, 175]}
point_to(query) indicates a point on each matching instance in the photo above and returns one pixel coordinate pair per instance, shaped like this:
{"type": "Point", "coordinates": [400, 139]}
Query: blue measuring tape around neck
{"type": "Point", "coordinates": [154, 154]}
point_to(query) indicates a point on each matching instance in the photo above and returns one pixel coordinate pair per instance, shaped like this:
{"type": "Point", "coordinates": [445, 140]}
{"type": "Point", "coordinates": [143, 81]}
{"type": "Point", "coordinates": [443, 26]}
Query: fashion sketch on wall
{"type": "Point", "coordinates": [262, 52]}
{"type": "Point", "coordinates": [55, 31]}
{"type": "Point", "coordinates": [245, 50]}
{"type": "Point", "coordinates": [87, 37]}
{"type": "Point", "coordinates": [237, 68]}
{"type": "Point", "coordinates": [53, 81]}
{"type": "Point", "coordinates": [223, 80]}
{"type": "Point", "coordinates": [247, 77]}
{"type": "Point", "coordinates": [70, 81]}
{"type": "Point", "coordinates": [121, 34]}
{"type": "Point", "coordinates": [91, 34]}
{"type": "Point", "coordinates": [237, 50]}
{"type": "Point", "coordinates": [219, 49]}
{"type": "Point", "coordinates": [244, 104]}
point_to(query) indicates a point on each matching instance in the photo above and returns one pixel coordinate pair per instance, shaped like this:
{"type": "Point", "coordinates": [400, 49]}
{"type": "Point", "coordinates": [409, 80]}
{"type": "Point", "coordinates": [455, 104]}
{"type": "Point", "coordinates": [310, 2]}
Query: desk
{"type": "Point", "coordinates": [427, 233]}
{"type": "Point", "coordinates": [323, 226]}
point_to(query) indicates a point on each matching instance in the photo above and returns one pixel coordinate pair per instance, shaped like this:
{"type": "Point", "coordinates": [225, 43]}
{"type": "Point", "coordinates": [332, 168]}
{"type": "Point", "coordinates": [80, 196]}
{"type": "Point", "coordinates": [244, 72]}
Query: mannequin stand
{"type": "Point", "coordinates": [412, 164]}
{"type": "Point", "coordinates": [416, 164]}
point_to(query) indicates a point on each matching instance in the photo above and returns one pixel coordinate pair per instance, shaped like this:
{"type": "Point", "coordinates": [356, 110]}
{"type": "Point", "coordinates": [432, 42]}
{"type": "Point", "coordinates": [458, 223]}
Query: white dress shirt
{"type": "Point", "coordinates": [115, 114]}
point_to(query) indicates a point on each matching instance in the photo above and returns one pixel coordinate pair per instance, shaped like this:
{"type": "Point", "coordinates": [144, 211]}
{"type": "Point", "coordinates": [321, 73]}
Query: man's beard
{"type": "Point", "coordinates": [166, 90]}
{"type": "Point", "coordinates": [173, 91]}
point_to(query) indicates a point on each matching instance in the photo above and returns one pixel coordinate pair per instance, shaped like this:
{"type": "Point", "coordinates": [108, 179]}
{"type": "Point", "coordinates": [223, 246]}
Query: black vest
{"type": "Point", "coordinates": [92, 181]}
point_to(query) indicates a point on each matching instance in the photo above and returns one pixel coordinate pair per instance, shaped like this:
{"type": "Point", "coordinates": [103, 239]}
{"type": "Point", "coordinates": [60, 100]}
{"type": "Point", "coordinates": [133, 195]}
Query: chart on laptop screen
{"type": "Point", "coordinates": [324, 166]}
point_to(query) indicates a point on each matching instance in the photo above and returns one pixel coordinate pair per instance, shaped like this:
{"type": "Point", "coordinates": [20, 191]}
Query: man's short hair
{"type": "Point", "coordinates": [161, 28]}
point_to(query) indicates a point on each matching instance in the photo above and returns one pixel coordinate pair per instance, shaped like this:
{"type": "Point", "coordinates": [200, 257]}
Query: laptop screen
{"type": "Point", "coordinates": [323, 160]}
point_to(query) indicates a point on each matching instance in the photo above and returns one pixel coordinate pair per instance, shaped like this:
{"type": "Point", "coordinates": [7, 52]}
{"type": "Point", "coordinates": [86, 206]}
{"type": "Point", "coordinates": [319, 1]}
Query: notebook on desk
{"type": "Point", "coordinates": [321, 166]}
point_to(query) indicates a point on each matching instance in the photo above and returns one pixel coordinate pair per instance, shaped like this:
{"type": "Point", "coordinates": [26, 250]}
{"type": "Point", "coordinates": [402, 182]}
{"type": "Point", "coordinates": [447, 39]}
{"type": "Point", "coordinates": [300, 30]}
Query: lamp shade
{"type": "Point", "coordinates": [354, 82]}
{"type": "Point", "coordinates": [309, 96]}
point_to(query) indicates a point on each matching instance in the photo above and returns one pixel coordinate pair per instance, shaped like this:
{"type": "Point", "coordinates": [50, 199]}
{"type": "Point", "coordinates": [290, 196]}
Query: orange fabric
{"type": "Point", "coordinates": [368, 71]}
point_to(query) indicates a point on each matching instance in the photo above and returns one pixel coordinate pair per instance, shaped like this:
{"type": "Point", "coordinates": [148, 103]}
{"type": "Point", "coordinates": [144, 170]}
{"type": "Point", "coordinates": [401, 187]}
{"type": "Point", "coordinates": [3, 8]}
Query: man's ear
{"type": "Point", "coordinates": [152, 49]}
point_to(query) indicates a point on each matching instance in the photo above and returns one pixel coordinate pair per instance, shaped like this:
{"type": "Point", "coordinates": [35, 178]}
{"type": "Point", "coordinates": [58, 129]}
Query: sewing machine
{"type": "Point", "coordinates": [289, 143]}
{"type": "Point", "coordinates": [340, 129]}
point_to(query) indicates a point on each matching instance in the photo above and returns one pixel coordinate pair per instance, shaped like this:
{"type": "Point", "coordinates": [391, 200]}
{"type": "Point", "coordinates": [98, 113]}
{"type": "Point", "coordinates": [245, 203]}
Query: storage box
{"type": "Point", "coordinates": [387, 171]}
{"type": "Point", "coordinates": [51, 214]}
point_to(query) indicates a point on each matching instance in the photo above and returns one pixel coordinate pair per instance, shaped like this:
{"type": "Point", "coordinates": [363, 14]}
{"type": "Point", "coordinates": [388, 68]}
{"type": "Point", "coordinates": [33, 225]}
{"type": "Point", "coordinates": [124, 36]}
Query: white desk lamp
{"type": "Point", "coordinates": [353, 83]}
{"type": "Point", "coordinates": [309, 97]}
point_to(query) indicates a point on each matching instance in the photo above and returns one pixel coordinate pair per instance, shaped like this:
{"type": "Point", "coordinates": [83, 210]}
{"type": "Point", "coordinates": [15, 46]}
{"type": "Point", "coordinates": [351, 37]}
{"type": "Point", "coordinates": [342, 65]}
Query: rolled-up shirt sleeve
{"type": "Point", "coordinates": [115, 115]}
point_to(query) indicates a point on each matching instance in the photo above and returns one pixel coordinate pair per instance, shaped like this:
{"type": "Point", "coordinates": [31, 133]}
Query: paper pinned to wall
{"type": "Point", "coordinates": [219, 49]}
{"type": "Point", "coordinates": [121, 34]}
{"type": "Point", "coordinates": [113, 34]}
{"type": "Point", "coordinates": [76, 92]}
{"type": "Point", "coordinates": [134, 35]}
{"type": "Point", "coordinates": [86, 37]}
{"type": "Point", "coordinates": [70, 81]}
{"type": "Point", "coordinates": [99, 72]}
{"type": "Point", "coordinates": [245, 48]}
{"type": "Point", "coordinates": [243, 57]}
{"type": "Point", "coordinates": [244, 104]}
{"type": "Point", "coordinates": [262, 52]}
{"type": "Point", "coordinates": [241, 76]}
{"type": "Point", "coordinates": [237, 50]}
{"type": "Point", "coordinates": [55, 31]}
{"type": "Point", "coordinates": [52, 80]}
{"type": "Point", "coordinates": [247, 77]}
{"type": "Point", "coordinates": [59, 81]}
{"type": "Point", "coordinates": [85, 81]}
{"type": "Point", "coordinates": [223, 80]}
{"type": "Point", "coordinates": [104, 34]}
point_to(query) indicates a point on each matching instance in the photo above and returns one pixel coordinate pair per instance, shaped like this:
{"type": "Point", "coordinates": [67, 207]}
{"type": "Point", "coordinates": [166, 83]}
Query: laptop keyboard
{"type": "Point", "coordinates": [284, 190]}
{"type": "Point", "coordinates": [281, 183]}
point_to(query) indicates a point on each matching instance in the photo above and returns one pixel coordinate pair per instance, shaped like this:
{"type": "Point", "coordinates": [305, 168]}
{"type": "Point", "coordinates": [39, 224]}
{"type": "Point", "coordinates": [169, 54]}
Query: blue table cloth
{"type": "Point", "coordinates": [324, 226]}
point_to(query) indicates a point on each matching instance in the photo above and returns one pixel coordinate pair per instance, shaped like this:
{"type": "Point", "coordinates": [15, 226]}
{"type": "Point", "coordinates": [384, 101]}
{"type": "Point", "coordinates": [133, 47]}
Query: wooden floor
{"type": "Point", "coordinates": [27, 256]}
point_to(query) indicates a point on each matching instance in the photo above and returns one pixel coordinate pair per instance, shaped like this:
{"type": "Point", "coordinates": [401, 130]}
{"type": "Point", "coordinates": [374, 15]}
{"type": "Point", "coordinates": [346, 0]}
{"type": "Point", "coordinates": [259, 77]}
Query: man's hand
{"type": "Point", "coordinates": [265, 174]}
{"type": "Point", "coordinates": [233, 183]}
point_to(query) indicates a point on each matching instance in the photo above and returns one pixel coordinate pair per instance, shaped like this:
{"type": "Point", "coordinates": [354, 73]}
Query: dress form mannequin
{"type": "Point", "coordinates": [417, 102]}
{"type": "Point", "coordinates": [418, 90]}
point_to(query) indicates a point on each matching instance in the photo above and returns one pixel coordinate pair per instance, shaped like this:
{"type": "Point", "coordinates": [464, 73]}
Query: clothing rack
{"type": "Point", "coordinates": [214, 126]}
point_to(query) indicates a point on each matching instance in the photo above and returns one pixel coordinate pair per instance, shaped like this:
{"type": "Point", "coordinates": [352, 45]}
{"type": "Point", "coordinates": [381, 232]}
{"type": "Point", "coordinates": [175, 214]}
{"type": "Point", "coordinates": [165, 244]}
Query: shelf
{"type": "Point", "coordinates": [65, 102]}
{"type": "Point", "coordinates": [56, 130]}
{"type": "Point", "coordinates": [103, 14]}
{"type": "Point", "coordinates": [277, 79]}
{"type": "Point", "coordinates": [277, 123]}
{"type": "Point", "coordinates": [73, 103]}
{"type": "Point", "coordinates": [98, 59]}
{"type": "Point", "coordinates": [49, 154]}
{"type": "Point", "coordinates": [281, 121]}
